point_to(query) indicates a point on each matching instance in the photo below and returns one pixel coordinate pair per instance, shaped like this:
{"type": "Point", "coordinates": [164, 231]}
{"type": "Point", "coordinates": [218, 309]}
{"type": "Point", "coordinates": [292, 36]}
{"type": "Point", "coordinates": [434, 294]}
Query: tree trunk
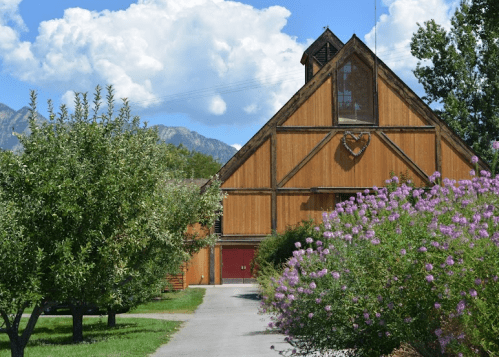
{"type": "Point", "coordinates": [111, 318]}
{"type": "Point", "coordinates": [16, 346]}
{"type": "Point", "coordinates": [77, 312]}
{"type": "Point", "coordinates": [18, 343]}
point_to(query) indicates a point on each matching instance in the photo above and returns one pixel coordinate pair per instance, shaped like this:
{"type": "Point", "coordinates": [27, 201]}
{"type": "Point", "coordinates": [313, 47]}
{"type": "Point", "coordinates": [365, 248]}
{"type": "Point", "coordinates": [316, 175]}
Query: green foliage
{"type": "Point", "coordinates": [459, 69]}
{"type": "Point", "coordinates": [275, 250]}
{"type": "Point", "coordinates": [97, 200]}
{"type": "Point", "coordinates": [191, 164]}
{"type": "Point", "coordinates": [201, 166]}
{"type": "Point", "coordinates": [19, 264]}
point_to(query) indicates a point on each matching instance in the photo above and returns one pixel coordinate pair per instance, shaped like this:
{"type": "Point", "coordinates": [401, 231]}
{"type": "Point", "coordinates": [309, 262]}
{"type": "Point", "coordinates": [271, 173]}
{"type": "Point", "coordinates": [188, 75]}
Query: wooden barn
{"type": "Point", "coordinates": [351, 124]}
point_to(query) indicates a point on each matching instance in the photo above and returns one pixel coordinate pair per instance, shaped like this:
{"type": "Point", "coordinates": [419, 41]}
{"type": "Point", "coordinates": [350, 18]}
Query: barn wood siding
{"type": "Point", "coordinates": [393, 110]}
{"type": "Point", "coordinates": [177, 282]}
{"type": "Point", "coordinates": [218, 263]}
{"type": "Point", "coordinates": [247, 213]}
{"type": "Point", "coordinates": [293, 208]}
{"type": "Point", "coordinates": [255, 172]}
{"type": "Point", "coordinates": [199, 266]}
{"type": "Point", "coordinates": [454, 165]}
{"type": "Point", "coordinates": [292, 148]}
{"type": "Point", "coordinates": [334, 166]}
{"type": "Point", "coordinates": [316, 111]}
{"type": "Point", "coordinates": [190, 276]}
{"type": "Point", "coordinates": [420, 147]}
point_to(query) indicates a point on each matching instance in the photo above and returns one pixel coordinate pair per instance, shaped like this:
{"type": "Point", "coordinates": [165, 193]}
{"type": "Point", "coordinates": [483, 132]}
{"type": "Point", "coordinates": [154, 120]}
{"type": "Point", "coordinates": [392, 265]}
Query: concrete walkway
{"type": "Point", "coordinates": [226, 324]}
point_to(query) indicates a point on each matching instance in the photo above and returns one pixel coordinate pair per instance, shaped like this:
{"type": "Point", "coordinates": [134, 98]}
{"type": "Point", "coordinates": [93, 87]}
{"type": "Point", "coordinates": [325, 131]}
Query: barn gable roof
{"type": "Point", "coordinates": [357, 47]}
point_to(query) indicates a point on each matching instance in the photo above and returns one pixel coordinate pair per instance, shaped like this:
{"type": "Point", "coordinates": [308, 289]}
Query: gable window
{"type": "Point", "coordinates": [355, 92]}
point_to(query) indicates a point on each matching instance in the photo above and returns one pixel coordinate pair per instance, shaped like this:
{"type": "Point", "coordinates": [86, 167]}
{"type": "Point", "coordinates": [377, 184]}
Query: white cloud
{"type": "Point", "coordinates": [252, 108]}
{"type": "Point", "coordinates": [68, 99]}
{"type": "Point", "coordinates": [395, 30]}
{"type": "Point", "coordinates": [237, 146]}
{"type": "Point", "coordinates": [217, 105]}
{"type": "Point", "coordinates": [9, 12]}
{"type": "Point", "coordinates": [166, 56]}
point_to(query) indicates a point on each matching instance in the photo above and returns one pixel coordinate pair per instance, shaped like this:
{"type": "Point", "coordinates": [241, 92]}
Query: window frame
{"type": "Point", "coordinates": [335, 92]}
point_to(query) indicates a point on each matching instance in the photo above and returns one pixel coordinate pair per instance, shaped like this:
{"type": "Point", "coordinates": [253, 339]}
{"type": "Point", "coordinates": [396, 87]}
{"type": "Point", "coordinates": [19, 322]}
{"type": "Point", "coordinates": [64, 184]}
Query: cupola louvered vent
{"type": "Point", "coordinates": [319, 53]}
{"type": "Point", "coordinates": [325, 53]}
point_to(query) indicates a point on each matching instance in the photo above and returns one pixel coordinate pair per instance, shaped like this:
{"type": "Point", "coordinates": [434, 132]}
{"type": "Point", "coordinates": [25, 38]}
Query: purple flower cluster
{"type": "Point", "coordinates": [383, 246]}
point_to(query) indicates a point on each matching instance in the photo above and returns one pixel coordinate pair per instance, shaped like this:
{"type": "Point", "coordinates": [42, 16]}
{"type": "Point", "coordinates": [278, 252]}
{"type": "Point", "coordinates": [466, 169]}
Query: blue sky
{"type": "Point", "coordinates": [221, 68]}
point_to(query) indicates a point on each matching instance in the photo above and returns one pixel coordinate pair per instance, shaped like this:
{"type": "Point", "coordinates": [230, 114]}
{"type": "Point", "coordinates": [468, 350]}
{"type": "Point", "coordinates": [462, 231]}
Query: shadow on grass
{"type": "Point", "coordinates": [93, 332]}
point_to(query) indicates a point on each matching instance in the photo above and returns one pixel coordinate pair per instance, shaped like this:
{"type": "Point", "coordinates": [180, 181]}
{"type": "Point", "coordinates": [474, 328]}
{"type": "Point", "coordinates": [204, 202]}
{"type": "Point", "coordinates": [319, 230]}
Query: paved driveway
{"type": "Point", "coordinates": [226, 324]}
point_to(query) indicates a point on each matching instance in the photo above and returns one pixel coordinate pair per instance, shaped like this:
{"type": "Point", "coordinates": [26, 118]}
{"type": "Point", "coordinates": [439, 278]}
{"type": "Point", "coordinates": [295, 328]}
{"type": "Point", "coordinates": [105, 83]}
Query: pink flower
{"type": "Point", "coordinates": [474, 160]}
{"type": "Point", "coordinates": [335, 275]}
{"type": "Point", "coordinates": [495, 145]}
{"type": "Point", "coordinates": [449, 260]}
{"type": "Point", "coordinates": [429, 278]}
{"type": "Point", "coordinates": [298, 245]}
{"type": "Point", "coordinates": [309, 240]}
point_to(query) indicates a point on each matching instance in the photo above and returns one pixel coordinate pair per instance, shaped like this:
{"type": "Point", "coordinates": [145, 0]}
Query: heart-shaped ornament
{"type": "Point", "coordinates": [356, 139]}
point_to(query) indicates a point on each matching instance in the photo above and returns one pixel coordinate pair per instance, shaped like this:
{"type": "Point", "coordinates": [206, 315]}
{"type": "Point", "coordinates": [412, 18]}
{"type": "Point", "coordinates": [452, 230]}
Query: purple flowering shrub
{"type": "Point", "coordinates": [412, 266]}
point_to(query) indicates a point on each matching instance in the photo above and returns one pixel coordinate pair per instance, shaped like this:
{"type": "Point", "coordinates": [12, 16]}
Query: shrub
{"type": "Point", "coordinates": [276, 249]}
{"type": "Point", "coordinates": [387, 271]}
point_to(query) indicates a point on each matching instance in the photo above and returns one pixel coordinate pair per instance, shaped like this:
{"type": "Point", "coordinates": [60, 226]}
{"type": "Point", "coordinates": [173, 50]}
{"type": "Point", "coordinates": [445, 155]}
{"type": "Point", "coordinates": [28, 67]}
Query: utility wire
{"type": "Point", "coordinates": [254, 83]}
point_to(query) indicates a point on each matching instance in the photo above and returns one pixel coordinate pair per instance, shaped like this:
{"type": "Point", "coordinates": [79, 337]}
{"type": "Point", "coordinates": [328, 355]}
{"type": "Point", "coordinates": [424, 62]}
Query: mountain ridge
{"type": "Point", "coordinates": [17, 121]}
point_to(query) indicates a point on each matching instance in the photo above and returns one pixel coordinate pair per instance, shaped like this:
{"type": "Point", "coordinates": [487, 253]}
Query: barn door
{"type": "Point", "coordinates": [236, 265]}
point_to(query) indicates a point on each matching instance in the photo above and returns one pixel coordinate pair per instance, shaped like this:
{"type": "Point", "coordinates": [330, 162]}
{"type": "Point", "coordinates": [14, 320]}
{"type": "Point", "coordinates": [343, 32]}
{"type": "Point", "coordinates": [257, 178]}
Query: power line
{"type": "Point", "coordinates": [226, 88]}
{"type": "Point", "coordinates": [254, 83]}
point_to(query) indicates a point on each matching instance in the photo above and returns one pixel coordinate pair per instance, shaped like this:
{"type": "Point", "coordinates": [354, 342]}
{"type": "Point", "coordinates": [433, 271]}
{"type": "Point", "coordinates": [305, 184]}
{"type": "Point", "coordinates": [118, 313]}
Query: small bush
{"type": "Point", "coordinates": [275, 250]}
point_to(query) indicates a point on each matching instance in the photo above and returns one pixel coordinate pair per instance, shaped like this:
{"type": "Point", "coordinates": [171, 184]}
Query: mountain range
{"type": "Point", "coordinates": [17, 121]}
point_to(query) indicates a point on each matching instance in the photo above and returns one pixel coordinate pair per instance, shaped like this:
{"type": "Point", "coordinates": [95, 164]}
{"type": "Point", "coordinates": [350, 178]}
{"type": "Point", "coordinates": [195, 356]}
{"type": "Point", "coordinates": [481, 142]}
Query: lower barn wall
{"type": "Point", "coordinates": [198, 268]}
{"type": "Point", "coordinates": [176, 282]}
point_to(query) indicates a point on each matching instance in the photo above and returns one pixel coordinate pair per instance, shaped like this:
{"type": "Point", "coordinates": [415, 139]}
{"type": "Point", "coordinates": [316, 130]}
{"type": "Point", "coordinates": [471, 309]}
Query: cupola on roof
{"type": "Point", "coordinates": [320, 52]}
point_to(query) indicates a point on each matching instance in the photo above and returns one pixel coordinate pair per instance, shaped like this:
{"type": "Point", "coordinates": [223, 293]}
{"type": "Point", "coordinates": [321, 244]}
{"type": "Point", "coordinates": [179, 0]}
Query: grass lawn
{"type": "Point", "coordinates": [181, 302]}
{"type": "Point", "coordinates": [185, 301]}
{"type": "Point", "coordinates": [131, 337]}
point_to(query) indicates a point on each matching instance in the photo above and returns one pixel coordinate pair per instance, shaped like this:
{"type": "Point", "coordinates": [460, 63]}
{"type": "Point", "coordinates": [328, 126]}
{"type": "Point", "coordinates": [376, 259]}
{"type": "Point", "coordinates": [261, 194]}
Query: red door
{"type": "Point", "coordinates": [236, 264]}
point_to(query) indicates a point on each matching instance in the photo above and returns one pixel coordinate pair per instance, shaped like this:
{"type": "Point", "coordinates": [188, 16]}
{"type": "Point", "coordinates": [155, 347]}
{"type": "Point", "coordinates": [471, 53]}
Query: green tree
{"type": "Point", "coordinates": [91, 193]}
{"type": "Point", "coordinates": [459, 69]}
{"type": "Point", "coordinates": [201, 166]}
{"type": "Point", "coordinates": [20, 277]}
{"type": "Point", "coordinates": [192, 164]}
